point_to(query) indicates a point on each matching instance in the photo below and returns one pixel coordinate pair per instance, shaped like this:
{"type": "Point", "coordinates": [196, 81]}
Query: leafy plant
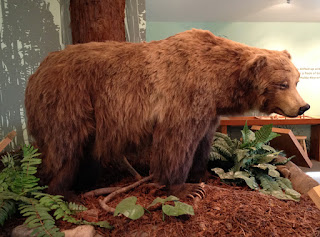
{"type": "Point", "coordinates": [252, 161]}
{"type": "Point", "coordinates": [130, 209]}
{"type": "Point", "coordinates": [19, 188]}
{"type": "Point", "coordinates": [178, 209]}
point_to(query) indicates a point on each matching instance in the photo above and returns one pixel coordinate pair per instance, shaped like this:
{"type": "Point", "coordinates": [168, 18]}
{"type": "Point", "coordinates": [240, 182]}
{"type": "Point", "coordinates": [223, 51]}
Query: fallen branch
{"type": "Point", "coordinates": [104, 191]}
{"type": "Point", "coordinates": [131, 169]}
{"type": "Point", "coordinates": [5, 142]}
{"type": "Point", "coordinates": [103, 203]}
{"type": "Point", "coordinates": [100, 191]}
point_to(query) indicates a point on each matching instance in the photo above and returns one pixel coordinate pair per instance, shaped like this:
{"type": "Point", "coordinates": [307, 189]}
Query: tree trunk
{"type": "Point", "coordinates": [97, 20]}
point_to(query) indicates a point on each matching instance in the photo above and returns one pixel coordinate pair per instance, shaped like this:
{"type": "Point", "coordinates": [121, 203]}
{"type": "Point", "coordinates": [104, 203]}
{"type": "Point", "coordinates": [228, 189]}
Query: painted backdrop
{"type": "Point", "coordinates": [29, 31]}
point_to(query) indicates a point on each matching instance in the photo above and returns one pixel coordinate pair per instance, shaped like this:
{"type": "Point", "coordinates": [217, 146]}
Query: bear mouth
{"type": "Point", "coordinates": [281, 112]}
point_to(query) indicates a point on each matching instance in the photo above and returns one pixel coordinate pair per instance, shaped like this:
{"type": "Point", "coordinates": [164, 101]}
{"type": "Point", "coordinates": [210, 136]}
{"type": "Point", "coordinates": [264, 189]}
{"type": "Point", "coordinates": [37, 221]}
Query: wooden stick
{"type": "Point", "coordinates": [5, 142]}
{"type": "Point", "coordinates": [101, 191]}
{"type": "Point", "coordinates": [103, 203]}
{"type": "Point", "coordinates": [131, 169]}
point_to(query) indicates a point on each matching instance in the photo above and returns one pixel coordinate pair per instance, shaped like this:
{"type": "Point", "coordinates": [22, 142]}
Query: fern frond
{"type": "Point", "coordinates": [247, 136]}
{"type": "Point", "coordinates": [214, 155]}
{"type": "Point", "coordinates": [8, 161]}
{"type": "Point", "coordinates": [8, 195]}
{"type": "Point", "coordinates": [224, 151]}
{"type": "Point", "coordinates": [7, 209]}
{"type": "Point", "coordinates": [29, 161]}
{"type": "Point", "coordinates": [263, 134]}
{"type": "Point", "coordinates": [25, 181]}
{"type": "Point", "coordinates": [222, 142]}
{"type": "Point", "coordinates": [74, 207]}
{"type": "Point", "coordinates": [225, 137]}
{"type": "Point", "coordinates": [39, 219]}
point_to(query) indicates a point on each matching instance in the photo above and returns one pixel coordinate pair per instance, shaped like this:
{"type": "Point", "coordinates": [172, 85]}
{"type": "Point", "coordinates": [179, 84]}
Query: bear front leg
{"type": "Point", "coordinates": [173, 150]}
{"type": "Point", "coordinates": [201, 156]}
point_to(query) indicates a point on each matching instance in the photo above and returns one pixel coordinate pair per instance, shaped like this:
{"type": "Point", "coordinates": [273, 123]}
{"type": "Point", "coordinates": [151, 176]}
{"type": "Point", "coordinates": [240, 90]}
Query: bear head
{"type": "Point", "coordinates": [274, 79]}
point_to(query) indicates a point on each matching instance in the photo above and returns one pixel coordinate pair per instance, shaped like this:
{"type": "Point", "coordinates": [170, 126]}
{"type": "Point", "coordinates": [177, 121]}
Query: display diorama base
{"type": "Point", "coordinates": [226, 210]}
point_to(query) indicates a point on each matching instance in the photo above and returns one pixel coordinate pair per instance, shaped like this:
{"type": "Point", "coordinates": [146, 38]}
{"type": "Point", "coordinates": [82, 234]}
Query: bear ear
{"type": "Point", "coordinates": [287, 53]}
{"type": "Point", "coordinates": [254, 66]}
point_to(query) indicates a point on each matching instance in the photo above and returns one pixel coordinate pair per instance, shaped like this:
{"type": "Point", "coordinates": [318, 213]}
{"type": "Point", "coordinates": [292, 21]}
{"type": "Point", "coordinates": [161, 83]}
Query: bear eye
{"type": "Point", "coordinates": [284, 86]}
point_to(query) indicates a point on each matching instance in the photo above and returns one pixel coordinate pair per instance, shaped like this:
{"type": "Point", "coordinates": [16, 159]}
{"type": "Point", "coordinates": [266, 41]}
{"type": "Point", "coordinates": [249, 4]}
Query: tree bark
{"type": "Point", "coordinates": [97, 20]}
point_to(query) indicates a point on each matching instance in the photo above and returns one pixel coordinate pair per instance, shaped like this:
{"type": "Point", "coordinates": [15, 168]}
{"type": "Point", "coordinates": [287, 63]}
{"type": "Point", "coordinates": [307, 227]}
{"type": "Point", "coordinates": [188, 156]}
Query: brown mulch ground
{"type": "Point", "coordinates": [226, 211]}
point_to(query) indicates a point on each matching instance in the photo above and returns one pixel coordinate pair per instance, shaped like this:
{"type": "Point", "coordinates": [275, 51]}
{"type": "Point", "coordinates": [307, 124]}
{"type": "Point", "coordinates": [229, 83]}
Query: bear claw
{"type": "Point", "coordinates": [198, 192]}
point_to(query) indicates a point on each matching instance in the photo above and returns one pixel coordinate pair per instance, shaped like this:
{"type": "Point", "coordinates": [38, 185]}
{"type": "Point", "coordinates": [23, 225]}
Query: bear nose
{"type": "Point", "coordinates": [304, 109]}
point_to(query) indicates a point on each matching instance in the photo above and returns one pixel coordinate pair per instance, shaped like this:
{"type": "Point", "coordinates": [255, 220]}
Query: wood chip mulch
{"type": "Point", "coordinates": [226, 211]}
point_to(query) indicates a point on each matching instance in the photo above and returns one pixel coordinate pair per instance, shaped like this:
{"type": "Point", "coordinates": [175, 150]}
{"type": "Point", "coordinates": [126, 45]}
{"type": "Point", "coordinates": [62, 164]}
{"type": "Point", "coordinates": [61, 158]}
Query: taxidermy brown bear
{"type": "Point", "coordinates": [163, 98]}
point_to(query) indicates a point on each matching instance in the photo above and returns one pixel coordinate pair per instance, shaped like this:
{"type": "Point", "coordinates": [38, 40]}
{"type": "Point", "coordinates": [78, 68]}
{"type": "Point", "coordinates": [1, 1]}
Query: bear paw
{"type": "Point", "coordinates": [189, 190]}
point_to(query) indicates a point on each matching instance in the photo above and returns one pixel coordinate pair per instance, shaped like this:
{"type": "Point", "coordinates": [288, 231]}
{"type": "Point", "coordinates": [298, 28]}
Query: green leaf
{"type": "Point", "coordinates": [271, 169]}
{"type": "Point", "coordinates": [163, 200]}
{"type": "Point", "coordinates": [267, 158]}
{"type": "Point", "coordinates": [268, 148]}
{"type": "Point", "coordinates": [263, 134]}
{"type": "Point", "coordinates": [247, 136]}
{"type": "Point", "coordinates": [128, 208]}
{"type": "Point", "coordinates": [241, 153]}
{"type": "Point", "coordinates": [220, 172]}
{"type": "Point", "coordinates": [250, 181]}
{"type": "Point", "coordinates": [178, 209]}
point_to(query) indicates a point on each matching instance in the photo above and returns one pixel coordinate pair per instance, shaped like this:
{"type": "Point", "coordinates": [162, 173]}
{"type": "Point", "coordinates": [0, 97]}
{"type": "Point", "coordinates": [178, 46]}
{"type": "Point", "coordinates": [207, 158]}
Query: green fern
{"type": "Point", "coordinates": [19, 187]}
{"type": "Point", "coordinates": [252, 162]}
{"type": "Point", "coordinates": [63, 210]}
{"type": "Point", "coordinates": [39, 219]}
{"type": "Point", "coordinates": [225, 138]}
{"type": "Point", "coordinates": [7, 209]}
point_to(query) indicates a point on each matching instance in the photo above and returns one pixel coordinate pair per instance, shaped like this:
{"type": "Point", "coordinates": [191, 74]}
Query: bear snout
{"type": "Point", "coordinates": [303, 109]}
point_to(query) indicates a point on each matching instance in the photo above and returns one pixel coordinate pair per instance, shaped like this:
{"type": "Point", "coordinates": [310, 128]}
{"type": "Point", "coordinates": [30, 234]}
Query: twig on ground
{"type": "Point", "coordinates": [131, 169]}
{"type": "Point", "coordinates": [100, 191]}
{"type": "Point", "coordinates": [103, 203]}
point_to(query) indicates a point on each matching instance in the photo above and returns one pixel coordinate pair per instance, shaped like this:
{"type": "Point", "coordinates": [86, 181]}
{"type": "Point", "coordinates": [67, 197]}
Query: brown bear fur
{"type": "Point", "coordinates": [163, 98]}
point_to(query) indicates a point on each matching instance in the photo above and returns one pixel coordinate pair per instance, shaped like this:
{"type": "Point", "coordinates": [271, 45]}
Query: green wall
{"type": "Point", "coordinates": [302, 40]}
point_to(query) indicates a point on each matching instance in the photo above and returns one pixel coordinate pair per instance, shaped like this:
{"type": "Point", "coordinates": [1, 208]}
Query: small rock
{"type": "Point", "coordinates": [81, 231]}
{"type": "Point", "coordinates": [21, 231]}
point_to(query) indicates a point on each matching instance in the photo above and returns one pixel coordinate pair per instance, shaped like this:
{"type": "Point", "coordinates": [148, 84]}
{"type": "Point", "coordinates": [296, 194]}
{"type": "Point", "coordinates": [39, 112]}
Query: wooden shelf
{"type": "Point", "coordinates": [290, 145]}
{"type": "Point", "coordinates": [263, 120]}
